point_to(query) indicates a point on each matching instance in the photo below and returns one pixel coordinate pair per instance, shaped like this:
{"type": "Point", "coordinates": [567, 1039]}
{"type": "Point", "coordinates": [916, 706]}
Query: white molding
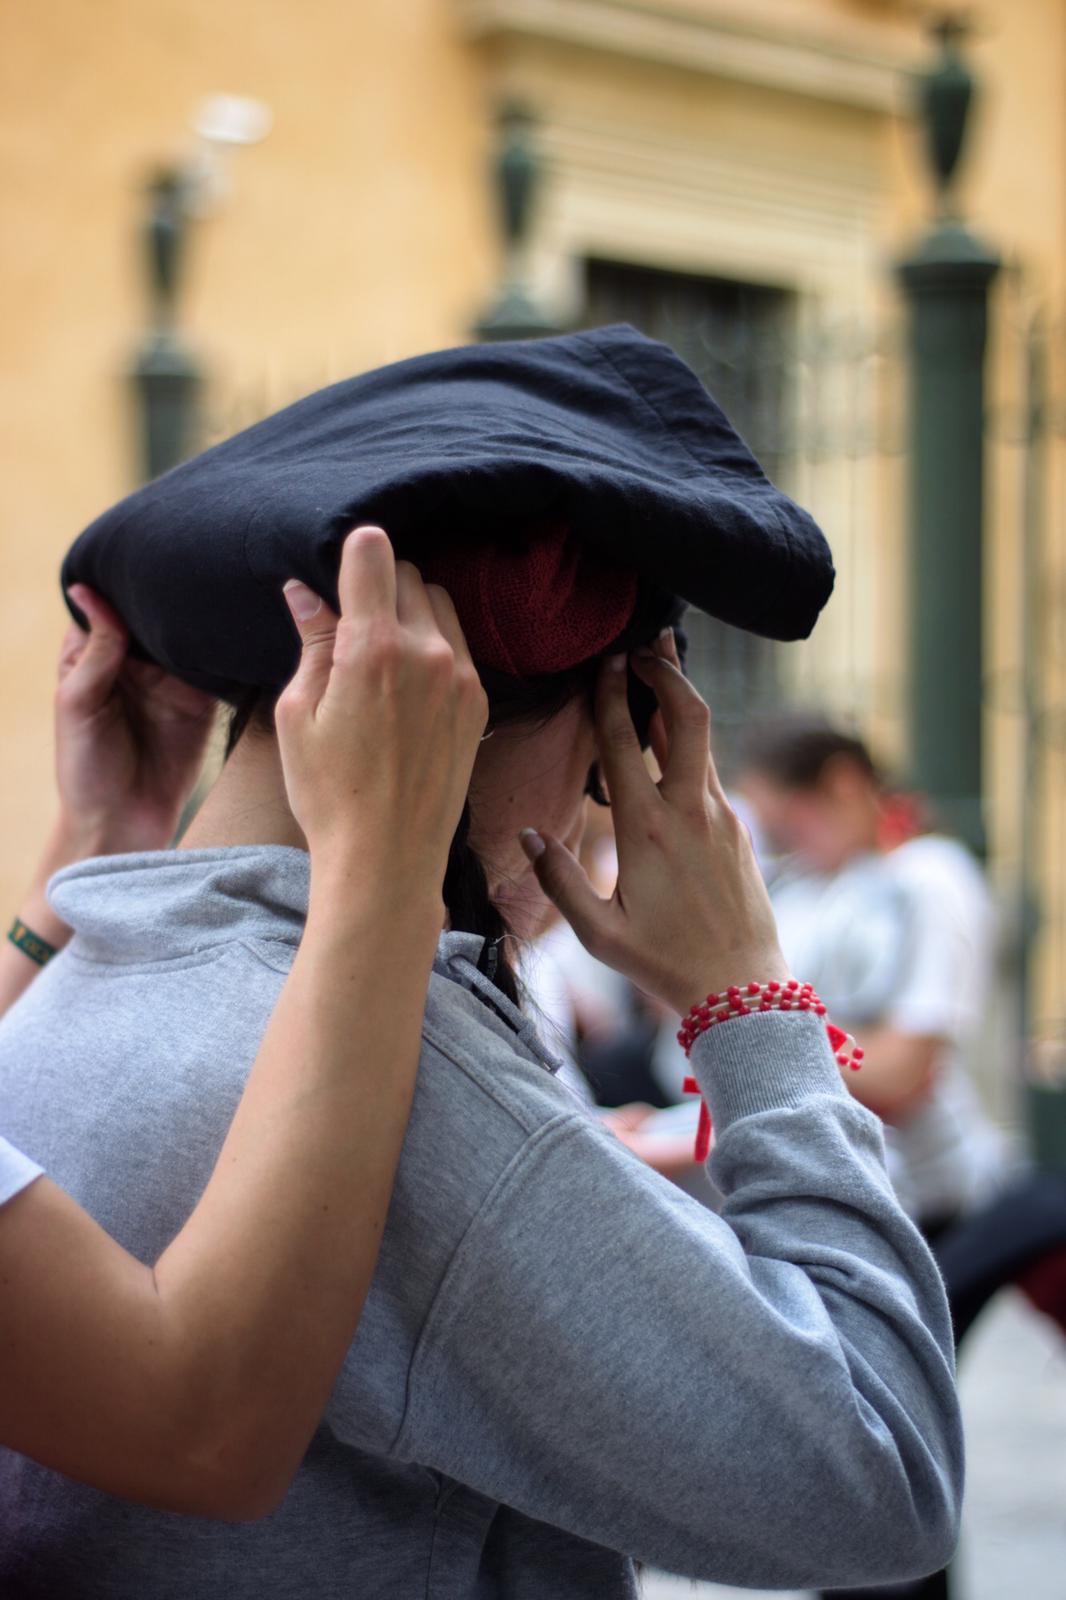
{"type": "Point", "coordinates": [629, 192]}
{"type": "Point", "coordinates": [725, 184]}
{"type": "Point", "coordinates": [874, 80]}
{"type": "Point", "coordinates": [633, 192]}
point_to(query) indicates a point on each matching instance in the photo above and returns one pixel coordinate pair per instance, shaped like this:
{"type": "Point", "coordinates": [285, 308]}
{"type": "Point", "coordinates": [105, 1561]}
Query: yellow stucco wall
{"type": "Point", "coordinates": [356, 233]}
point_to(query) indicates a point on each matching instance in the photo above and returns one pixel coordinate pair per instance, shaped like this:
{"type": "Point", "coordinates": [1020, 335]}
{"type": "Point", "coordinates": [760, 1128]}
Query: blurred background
{"type": "Point", "coordinates": [848, 215]}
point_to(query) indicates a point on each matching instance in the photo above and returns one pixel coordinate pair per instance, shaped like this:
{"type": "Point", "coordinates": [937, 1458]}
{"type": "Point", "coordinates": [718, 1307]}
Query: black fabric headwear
{"type": "Point", "coordinates": [607, 431]}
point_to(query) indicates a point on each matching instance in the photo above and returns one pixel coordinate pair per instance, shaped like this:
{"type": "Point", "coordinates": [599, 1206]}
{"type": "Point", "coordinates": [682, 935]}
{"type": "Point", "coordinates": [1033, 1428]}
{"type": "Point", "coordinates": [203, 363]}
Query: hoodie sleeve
{"type": "Point", "coordinates": [763, 1398]}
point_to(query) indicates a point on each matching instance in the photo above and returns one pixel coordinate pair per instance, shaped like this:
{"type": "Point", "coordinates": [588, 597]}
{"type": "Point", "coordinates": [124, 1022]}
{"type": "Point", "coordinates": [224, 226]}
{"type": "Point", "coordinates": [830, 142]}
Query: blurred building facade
{"type": "Point", "coordinates": [737, 176]}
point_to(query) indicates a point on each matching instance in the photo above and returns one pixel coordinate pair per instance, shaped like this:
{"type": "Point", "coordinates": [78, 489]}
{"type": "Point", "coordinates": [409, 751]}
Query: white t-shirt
{"type": "Point", "coordinates": [953, 1155]}
{"type": "Point", "coordinates": [16, 1171]}
{"type": "Point", "coordinates": [906, 941]}
{"type": "Point", "coordinates": [844, 933]}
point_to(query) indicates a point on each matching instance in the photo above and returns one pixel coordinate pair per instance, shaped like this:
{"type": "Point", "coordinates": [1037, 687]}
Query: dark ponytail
{"type": "Point", "coordinates": [471, 908]}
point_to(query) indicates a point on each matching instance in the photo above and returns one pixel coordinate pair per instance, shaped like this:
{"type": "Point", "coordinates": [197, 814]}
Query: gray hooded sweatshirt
{"type": "Point", "coordinates": [564, 1363]}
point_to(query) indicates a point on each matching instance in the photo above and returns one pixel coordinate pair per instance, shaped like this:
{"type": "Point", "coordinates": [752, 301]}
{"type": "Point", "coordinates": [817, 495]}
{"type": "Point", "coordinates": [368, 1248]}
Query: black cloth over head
{"type": "Point", "coordinates": [607, 430]}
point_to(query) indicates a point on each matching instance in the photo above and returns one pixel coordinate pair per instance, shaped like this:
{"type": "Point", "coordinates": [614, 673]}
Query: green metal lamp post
{"type": "Point", "coordinates": [517, 171]}
{"type": "Point", "coordinates": [167, 379]}
{"type": "Point", "coordinates": [946, 282]}
{"type": "Point", "coordinates": [1046, 1096]}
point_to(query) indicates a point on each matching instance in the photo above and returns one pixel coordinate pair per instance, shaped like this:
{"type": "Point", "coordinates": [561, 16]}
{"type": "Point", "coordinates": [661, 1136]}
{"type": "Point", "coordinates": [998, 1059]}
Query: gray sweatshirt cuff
{"type": "Point", "coordinates": [763, 1062]}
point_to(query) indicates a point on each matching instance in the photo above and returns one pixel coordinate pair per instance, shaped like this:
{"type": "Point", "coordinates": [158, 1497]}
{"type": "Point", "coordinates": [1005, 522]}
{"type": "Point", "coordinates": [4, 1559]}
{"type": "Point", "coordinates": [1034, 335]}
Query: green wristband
{"type": "Point", "coordinates": [31, 944]}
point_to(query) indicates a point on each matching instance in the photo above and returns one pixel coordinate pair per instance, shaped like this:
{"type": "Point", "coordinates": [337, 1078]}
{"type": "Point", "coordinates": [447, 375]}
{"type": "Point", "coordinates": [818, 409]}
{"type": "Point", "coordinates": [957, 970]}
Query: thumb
{"type": "Point", "coordinates": [316, 624]}
{"type": "Point", "coordinates": [566, 883]}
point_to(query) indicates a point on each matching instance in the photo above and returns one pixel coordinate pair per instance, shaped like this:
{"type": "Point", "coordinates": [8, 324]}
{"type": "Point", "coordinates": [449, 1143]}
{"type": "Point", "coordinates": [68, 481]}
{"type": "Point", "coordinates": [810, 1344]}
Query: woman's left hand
{"type": "Point", "coordinates": [130, 738]}
{"type": "Point", "coordinates": [130, 742]}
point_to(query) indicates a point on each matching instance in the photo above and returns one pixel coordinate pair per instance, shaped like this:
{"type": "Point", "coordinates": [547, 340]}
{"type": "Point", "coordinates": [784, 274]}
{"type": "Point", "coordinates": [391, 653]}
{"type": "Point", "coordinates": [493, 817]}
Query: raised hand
{"type": "Point", "coordinates": [130, 738]}
{"type": "Point", "coordinates": [379, 728]}
{"type": "Point", "coordinates": [690, 912]}
{"type": "Point", "coordinates": [130, 742]}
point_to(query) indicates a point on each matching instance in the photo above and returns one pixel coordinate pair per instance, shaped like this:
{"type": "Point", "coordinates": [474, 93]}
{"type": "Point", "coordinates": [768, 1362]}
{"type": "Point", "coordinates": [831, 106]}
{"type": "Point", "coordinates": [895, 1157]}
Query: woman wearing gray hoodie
{"type": "Point", "coordinates": [564, 1364]}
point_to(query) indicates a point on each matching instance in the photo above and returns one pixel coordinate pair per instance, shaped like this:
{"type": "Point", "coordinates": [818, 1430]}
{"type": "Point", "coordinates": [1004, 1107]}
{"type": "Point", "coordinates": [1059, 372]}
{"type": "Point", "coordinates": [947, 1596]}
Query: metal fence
{"type": "Point", "coordinates": [1027, 437]}
{"type": "Point", "coordinates": [818, 399]}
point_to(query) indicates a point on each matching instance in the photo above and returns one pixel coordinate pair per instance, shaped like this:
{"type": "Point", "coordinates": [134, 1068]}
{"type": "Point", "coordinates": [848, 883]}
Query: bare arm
{"type": "Point", "coordinates": [898, 1071]}
{"type": "Point", "coordinates": [66, 844]}
{"type": "Point", "coordinates": [198, 1384]}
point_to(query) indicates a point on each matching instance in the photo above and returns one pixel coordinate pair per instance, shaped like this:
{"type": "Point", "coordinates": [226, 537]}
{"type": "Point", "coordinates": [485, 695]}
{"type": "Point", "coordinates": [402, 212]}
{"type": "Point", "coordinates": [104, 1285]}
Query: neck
{"type": "Point", "coordinates": [868, 827]}
{"type": "Point", "coordinates": [248, 803]}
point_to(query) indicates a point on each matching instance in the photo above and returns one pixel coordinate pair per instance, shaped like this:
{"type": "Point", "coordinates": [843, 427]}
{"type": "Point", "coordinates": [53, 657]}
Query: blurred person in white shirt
{"type": "Point", "coordinates": [899, 944]}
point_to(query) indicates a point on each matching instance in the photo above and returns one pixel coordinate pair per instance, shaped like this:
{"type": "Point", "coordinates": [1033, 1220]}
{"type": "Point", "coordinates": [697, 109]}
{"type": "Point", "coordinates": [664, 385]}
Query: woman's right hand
{"type": "Point", "coordinates": [690, 913]}
{"type": "Point", "coordinates": [379, 728]}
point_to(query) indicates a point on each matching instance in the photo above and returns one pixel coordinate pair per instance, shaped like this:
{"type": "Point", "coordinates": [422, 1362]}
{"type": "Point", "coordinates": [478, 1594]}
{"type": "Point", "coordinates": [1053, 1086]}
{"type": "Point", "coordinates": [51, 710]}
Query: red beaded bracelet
{"type": "Point", "coordinates": [739, 1001]}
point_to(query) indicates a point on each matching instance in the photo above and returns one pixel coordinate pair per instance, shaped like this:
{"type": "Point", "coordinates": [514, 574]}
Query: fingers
{"type": "Point", "coordinates": [565, 882]}
{"type": "Point", "coordinates": [103, 619]}
{"type": "Point", "coordinates": [373, 582]}
{"type": "Point", "coordinates": [429, 608]}
{"type": "Point", "coordinates": [374, 588]}
{"type": "Point", "coordinates": [621, 757]}
{"type": "Point", "coordinates": [89, 665]}
{"type": "Point", "coordinates": [660, 744]}
{"type": "Point", "coordinates": [667, 644]}
{"type": "Point", "coordinates": [317, 625]}
{"type": "Point", "coordinates": [447, 619]}
{"type": "Point", "coordinates": [169, 698]}
{"type": "Point", "coordinates": [413, 605]}
{"type": "Point", "coordinates": [72, 649]}
{"type": "Point", "coordinates": [685, 716]}
{"type": "Point", "coordinates": [367, 581]}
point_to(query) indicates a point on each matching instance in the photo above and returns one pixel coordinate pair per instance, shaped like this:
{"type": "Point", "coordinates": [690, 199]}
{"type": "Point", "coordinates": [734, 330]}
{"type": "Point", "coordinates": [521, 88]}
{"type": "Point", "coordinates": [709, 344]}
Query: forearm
{"type": "Point", "coordinates": [898, 1071]}
{"type": "Point", "coordinates": [263, 1288]}
{"type": "Point", "coordinates": [66, 844]}
{"type": "Point", "coordinates": [197, 1386]}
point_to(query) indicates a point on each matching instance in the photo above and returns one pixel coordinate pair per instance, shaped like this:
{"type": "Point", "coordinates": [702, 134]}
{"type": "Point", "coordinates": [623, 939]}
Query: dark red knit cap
{"type": "Point", "coordinates": [538, 608]}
